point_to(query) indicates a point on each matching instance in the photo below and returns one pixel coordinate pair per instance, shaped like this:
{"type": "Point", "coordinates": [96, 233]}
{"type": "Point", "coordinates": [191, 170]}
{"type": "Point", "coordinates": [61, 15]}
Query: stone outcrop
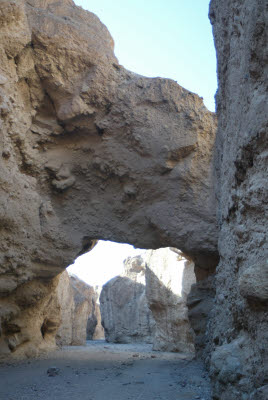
{"type": "Point", "coordinates": [98, 333]}
{"type": "Point", "coordinates": [239, 324]}
{"type": "Point", "coordinates": [200, 303]}
{"type": "Point", "coordinates": [90, 150]}
{"type": "Point", "coordinates": [77, 302]}
{"type": "Point", "coordinates": [84, 311]}
{"type": "Point", "coordinates": [147, 303]}
{"type": "Point", "coordinates": [30, 319]}
{"type": "Point", "coordinates": [169, 278]}
{"type": "Point", "coordinates": [126, 317]}
{"type": "Point", "coordinates": [65, 297]}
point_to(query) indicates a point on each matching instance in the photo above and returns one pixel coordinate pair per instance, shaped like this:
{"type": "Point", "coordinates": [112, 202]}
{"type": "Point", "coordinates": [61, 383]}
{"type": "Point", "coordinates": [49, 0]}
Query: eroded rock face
{"type": "Point", "coordinates": [84, 311]}
{"type": "Point", "coordinates": [168, 282]}
{"type": "Point", "coordinates": [77, 302]}
{"type": "Point", "coordinates": [92, 151]}
{"type": "Point", "coordinates": [126, 317]}
{"type": "Point", "coordinates": [239, 328]}
{"type": "Point", "coordinates": [200, 302]}
{"type": "Point", "coordinates": [98, 333]}
{"type": "Point", "coordinates": [30, 318]}
{"type": "Point", "coordinates": [65, 296]}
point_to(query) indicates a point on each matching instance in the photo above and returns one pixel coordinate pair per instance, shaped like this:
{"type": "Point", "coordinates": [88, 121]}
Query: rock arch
{"type": "Point", "coordinates": [91, 151]}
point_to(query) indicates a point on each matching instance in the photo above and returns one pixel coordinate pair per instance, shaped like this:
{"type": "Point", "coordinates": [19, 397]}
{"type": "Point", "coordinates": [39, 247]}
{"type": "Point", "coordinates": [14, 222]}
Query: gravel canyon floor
{"type": "Point", "coordinates": [101, 371]}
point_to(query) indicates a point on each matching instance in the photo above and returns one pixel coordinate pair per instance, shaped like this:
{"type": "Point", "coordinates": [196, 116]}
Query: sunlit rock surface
{"type": "Point", "coordinates": [126, 317]}
{"type": "Point", "coordinates": [78, 319]}
{"type": "Point", "coordinates": [98, 333]}
{"type": "Point", "coordinates": [147, 303]}
{"type": "Point", "coordinates": [169, 278]}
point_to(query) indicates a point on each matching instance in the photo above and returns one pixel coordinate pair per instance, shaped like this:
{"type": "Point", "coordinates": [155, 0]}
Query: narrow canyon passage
{"type": "Point", "coordinates": [101, 371]}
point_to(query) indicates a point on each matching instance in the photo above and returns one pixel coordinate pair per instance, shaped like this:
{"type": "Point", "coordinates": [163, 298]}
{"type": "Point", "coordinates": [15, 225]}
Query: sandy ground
{"type": "Point", "coordinates": [103, 371]}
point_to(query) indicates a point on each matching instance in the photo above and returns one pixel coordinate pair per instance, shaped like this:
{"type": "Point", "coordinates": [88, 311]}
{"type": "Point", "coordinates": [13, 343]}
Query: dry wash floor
{"type": "Point", "coordinates": [102, 371]}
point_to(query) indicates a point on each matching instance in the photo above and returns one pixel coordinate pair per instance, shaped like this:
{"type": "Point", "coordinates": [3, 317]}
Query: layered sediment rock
{"type": "Point", "coordinates": [239, 326]}
{"type": "Point", "coordinates": [90, 150]}
{"type": "Point", "coordinates": [169, 278]}
{"type": "Point", "coordinates": [126, 317]}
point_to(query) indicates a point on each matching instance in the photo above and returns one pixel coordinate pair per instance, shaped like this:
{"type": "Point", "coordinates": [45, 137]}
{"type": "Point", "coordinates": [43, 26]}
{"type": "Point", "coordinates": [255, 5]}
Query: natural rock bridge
{"type": "Point", "coordinates": [91, 151]}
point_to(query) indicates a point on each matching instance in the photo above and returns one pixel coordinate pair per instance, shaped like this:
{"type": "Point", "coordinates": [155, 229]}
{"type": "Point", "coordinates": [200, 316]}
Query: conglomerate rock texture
{"type": "Point", "coordinates": [126, 317]}
{"type": "Point", "coordinates": [169, 278]}
{"type": "Point", "coordinates": [239, 325]}
{"type": "Point", "coordinates": [89, 151]}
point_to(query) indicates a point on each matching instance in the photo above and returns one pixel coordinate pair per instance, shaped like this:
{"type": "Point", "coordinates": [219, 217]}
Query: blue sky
{"type": "Point", "coordinates": [167, 38]}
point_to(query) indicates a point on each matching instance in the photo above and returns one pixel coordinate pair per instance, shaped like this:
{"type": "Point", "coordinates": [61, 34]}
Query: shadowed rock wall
{"type": "Point", "coordinates": [239, 324]}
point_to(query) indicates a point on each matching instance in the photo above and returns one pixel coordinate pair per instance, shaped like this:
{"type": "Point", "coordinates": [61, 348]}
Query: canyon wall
{"type": "Point", "coordinates": [169, 278]}
{"type": "Point", "coordinates": [126, 317]}
{"type": "Point", "coordinates": [78, 315]}
{"type": "Point", "coordinates": [239, 325]}
{"type": "Point", "coordinates": [98, 333]}
{"type": "Point", "coordinates": [147, 302]}
{"type": "Point", "coordinates": [89, 151]}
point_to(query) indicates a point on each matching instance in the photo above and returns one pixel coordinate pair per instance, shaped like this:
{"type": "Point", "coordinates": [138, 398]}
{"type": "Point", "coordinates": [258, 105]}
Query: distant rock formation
{"type": "Point", "coordinates": [126, 317]}
{"type": "Point", "coordinates": [99, 330]}
{"type": "Point", "coordinates": [169, 278]}
{"type": "Point", "coordinates": [65, 296]}
{"type": "Point", "coordinates": [78, 319]}
{"type": "Point", "coordinates": [147, 303]}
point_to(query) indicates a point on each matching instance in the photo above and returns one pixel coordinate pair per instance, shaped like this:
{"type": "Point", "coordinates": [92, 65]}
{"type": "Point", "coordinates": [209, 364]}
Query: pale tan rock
{"type": "Point", "coordinates": [169, 278]}
{"type": "Point", "coordinates": [65, 295]}
{"type": "Point", "coordinates": [89, 150]}
{"type": "Point", "coordinates": [126, 317]}
{"type": "Point", "coordinates": [99, 330]}
{"type": "Point", "coordinates": [84, 307]}
{"type": "Point", "coordinates": [30, 319]}
{"type": "Point", "coordinates": [78, 318]}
